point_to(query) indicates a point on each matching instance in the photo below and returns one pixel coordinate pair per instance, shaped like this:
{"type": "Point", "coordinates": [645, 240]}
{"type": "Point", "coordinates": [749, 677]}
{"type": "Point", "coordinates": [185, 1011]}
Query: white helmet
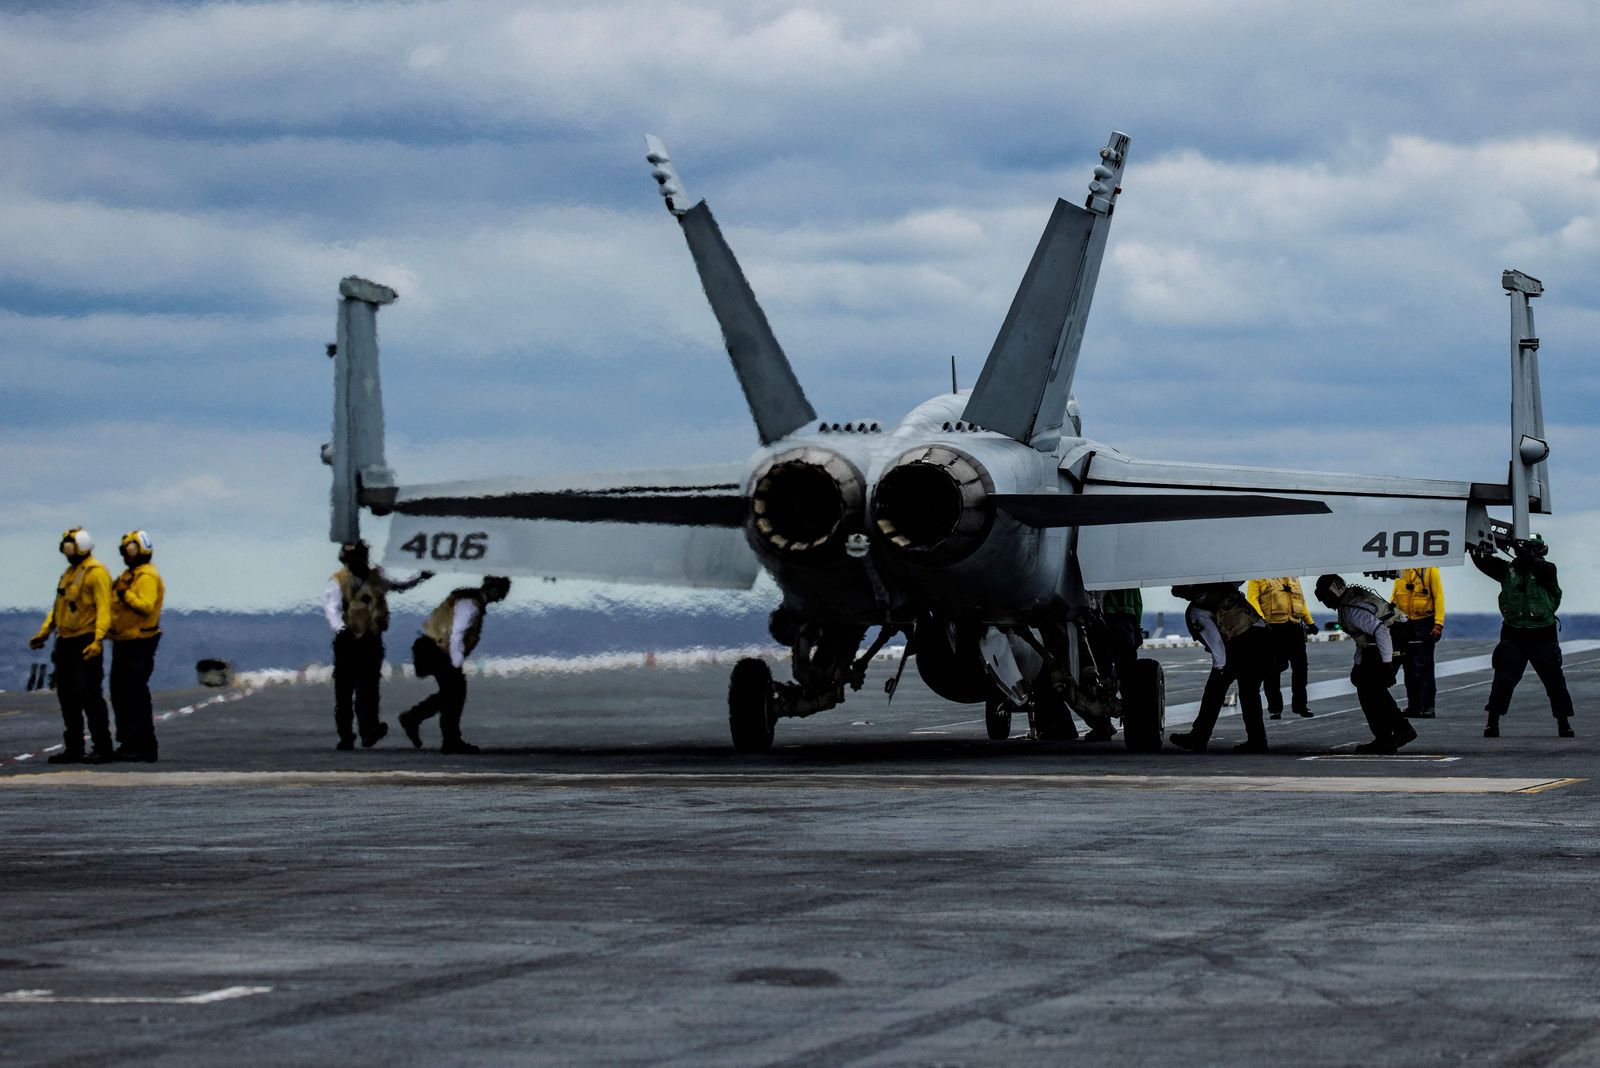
{"type": "Point", "coordinates": [76, 541]}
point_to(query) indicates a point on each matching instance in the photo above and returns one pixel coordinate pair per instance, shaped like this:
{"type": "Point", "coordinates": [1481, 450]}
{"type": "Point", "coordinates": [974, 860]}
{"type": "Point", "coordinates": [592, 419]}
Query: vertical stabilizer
{"type": "Point", "coordinates": [776, 400]}
{"type": "Point", "coordinates": [1026, 382]}
{"type": "Point", "coordinates": [360, 473]}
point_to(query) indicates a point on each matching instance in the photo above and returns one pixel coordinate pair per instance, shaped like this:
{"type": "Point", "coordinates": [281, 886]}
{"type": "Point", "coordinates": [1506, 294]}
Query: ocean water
{"type": "Point", "coordinates": [295, 639]}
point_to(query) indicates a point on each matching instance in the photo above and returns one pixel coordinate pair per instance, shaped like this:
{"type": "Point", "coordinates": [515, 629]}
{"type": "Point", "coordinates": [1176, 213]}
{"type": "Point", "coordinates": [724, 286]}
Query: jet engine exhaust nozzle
{"type": "Point", "coordinates": [932, 504]}
{"type": "Point", "coordinates": [804, 502]}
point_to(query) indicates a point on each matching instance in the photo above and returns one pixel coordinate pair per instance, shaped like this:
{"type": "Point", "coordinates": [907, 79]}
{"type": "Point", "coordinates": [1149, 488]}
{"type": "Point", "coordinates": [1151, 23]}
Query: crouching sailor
{"type": "Point", "coordinates": [448, 637]}
{"type": "Point", "coordinates": [135, 632]}
{"type": "Point", "coordinates": [1233, 632]}
{"type": "Point", "coordinates": [1369, 619]}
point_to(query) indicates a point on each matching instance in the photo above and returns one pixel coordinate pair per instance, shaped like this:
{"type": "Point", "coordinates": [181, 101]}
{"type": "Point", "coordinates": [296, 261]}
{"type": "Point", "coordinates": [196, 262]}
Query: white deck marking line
{"type": "Point", "coordinates": [1432, 758]}
{"type": "Point", "coordinates": [186, 710]}
{"type": "Point", "coordinates": [786, 780]}
{"type": "Point", "coordinates": [50, 997]}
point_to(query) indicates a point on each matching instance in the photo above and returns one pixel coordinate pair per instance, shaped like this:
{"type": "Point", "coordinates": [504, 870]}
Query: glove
{"type": "Point", "coordinates": [91, 650]}
{"type": "Point", "coordinates": [1311, 628]}
{"type": "Point", "coordinates": [1438, 629]}
{"type": "Point", "coordinates": [38, 641]}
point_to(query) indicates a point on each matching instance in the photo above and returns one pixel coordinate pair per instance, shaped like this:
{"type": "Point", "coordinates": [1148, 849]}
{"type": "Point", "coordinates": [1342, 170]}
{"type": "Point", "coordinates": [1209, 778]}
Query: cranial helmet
{"type": "Point", "coordinates": [75, 541]}
{"type": "Point", "coordinates": [496, 586]}
{"type": "Point", "coordinates": [1329, 587]}
{"type": "Point", "coordinates": [139, 542]}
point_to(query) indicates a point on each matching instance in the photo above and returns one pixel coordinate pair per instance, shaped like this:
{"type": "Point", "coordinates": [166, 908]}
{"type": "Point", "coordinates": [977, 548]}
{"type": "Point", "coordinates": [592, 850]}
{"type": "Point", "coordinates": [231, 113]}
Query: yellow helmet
{"type": "Point", "coordinates": [75, 541]}
{"type": "Point", "coordinates": [142, 545]}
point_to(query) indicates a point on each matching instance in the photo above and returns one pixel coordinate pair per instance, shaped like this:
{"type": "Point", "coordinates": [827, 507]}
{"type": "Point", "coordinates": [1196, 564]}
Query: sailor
{"type": "Point", "coordinates": [81, 618]}
{"type": "Point", "coordinates": [1419, 593]}
{"type": "Point", "coordinates": [448, 637]}
{"type": "Point", "coordinates": [1282, 604]}
{"type": "Point", "coordinates": [1123, 611]}
{"type": "Point", "coordinates": [1370, 620]}
{"type": "Point", "coordinates": [357, 609]}
{"type": "Point", "coordinates": [1529, 598]}
{"type": "Point", "coordinates": [137, 595]}
{"type": "Point", "coordinates": [1233, 632]}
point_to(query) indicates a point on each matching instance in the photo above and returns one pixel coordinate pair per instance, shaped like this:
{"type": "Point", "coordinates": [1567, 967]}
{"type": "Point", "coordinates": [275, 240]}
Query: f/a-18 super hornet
{"type": "Point", "coordinates": [979, 525]}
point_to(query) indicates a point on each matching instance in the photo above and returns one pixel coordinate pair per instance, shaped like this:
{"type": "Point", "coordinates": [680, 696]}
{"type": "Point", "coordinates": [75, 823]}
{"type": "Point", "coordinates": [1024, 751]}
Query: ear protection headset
{"type": "Point", "coordinates": [141, 542]}
{"type": "Point", "coordinates": [75, 541]}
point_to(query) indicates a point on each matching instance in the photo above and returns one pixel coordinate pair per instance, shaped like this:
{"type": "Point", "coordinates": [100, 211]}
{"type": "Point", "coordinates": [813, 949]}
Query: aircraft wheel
{"type": "Point", "coordinates": [1052, 720]}
{"type": "Point", "coordinates": [1144, 708]}
{"type": "Point", "coordinates": [750, 706]}
{"type": "Point", "coordinates": [997, 718]}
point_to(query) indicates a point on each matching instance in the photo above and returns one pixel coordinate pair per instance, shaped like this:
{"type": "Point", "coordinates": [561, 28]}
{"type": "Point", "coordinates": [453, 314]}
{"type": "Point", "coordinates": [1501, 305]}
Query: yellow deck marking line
{"type": "Point", "coordinates": [1351, 784]}
{"type": "Point", "coordinates": [1553, 784]}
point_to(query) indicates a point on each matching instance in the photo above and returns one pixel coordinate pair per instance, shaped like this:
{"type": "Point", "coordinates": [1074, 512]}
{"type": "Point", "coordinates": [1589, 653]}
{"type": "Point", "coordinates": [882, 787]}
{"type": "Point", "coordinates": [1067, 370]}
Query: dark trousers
{"type": "Point", "coordinates": [132, 661]}
{"type": "Point", "coordinates": [1247, 663]}
{"type": "Point", "coordinates": [1519, 647]}
{"type": "Point", "coordinates": [451, 697]}
{"type": "Point", "coordinates": [1289, 646]}
{"type": "Point", "coordinates": [1123, 636]}
{"type": "Point", "coordinates": [1420, 688]}
{"type": "Point", "coordinates": [78, 692]}
{"type": "Point", "coordinates": [357, 664]}
{"type": "Point", "coordinates": [1372, 679]}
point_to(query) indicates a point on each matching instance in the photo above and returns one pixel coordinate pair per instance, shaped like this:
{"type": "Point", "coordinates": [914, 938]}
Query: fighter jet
{"type": "Point", "coordinates": [979, 525]}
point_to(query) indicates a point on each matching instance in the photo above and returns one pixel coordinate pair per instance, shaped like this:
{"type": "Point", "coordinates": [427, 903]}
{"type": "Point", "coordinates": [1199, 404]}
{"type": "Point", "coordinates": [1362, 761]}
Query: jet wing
{"type": "Point", "coordinates": [1372, 523]}
{"type": "Point", "coordinates": [679, 527]}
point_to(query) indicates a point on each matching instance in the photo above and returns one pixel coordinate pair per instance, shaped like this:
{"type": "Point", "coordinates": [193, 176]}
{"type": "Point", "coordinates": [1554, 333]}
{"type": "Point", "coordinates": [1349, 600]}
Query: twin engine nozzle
{"type": "Point", "coordinates": [931, 505]}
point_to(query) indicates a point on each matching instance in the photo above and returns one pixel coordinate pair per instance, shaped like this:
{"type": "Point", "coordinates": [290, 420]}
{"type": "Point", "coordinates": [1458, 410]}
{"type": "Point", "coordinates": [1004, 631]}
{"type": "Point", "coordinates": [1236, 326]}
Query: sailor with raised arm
{"type": "Point", "coordinates": [357, 609]}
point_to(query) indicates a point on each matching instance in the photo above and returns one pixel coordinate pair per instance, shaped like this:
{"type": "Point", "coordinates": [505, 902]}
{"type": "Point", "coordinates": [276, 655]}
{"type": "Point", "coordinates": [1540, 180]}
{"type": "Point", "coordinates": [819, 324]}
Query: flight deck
{"type": "Point", "coordinates": [609, 883]}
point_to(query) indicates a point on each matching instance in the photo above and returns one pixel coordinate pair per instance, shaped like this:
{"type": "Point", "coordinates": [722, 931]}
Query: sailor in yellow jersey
{"type": "Point", "coordinates": [448, 637]}
{"type": "Point", "coordinates": [80, 618]}
{"type": "Point", "coordinates": [1419, 593]}
{"type": "Point", "coordinates": [1282, 604]}
{"type": "Point", "coordinates": [137, 596]}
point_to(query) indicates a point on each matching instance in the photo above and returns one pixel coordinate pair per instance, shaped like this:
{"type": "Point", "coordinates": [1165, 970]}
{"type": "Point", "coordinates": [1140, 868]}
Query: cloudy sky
{"type": "Point", "coordinates": [1304, 269]}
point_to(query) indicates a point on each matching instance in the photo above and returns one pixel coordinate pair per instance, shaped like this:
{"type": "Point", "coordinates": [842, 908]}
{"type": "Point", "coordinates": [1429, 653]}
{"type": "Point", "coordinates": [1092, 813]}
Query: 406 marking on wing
{"type": "Point", "coordinates": [447, 545]}
{"type": "Point", "coordinates": [1407, 543]}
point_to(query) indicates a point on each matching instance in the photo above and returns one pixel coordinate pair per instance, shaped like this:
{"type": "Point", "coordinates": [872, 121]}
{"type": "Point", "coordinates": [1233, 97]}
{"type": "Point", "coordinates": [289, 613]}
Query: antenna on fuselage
{"type": "Point", "coordinates": [953, 388]}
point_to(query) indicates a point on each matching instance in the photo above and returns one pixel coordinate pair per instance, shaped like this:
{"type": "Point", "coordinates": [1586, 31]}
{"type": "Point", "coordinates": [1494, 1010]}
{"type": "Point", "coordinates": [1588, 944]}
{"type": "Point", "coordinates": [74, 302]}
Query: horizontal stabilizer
{"type": "Point", "coordinates": [576, 506]}
{"type": "Point", "coordinates": [1080, 510]}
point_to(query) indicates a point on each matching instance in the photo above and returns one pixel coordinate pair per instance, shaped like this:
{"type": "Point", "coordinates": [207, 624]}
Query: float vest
{"type": "Point", "coordinates": [1233, 613]}
{"type": "Point", "coordinates": [1417, 602]}
{"type": "Point", "coordinates": [1280, 599]}
{"type": "Point", "coordinates": [83, 601]}
{"type": "Point", "coordinates": [1525, 602]}
{"type": "Point", "coordinates": [1387, 613]}
{"type": "Point", "coordinates": [366, 603]}
{"type": "Point", "coordinates": [136, 603]}
{"type": "Point", "coordinates": [443, 619]}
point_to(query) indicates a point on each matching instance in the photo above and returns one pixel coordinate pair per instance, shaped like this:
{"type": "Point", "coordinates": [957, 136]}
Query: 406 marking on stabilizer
{"type": "Point", "coordinates": [447, 545]}
{"type": "Point", "coordinates": [1408, 543]}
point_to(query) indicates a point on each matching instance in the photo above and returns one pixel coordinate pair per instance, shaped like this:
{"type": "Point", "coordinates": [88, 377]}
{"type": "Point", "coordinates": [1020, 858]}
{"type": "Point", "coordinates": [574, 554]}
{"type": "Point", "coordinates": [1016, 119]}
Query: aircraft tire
{"type": "Point", "coordinates": [1144, 709]}
{"type": "Point", "coordinates": [750, 706]}
{"type": "Point", "coordinates": [997, 718]}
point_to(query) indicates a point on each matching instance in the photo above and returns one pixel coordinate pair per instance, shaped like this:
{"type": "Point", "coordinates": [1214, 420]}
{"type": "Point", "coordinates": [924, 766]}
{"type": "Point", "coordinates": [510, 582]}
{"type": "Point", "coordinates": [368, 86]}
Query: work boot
{"type": "Point", "coordinates": [368, 741]}
{"type": "Point", "coordinates": [1403, 735]}
{"type": "Point", "coordinates": [1303, 713]}
{"type": "Point", "coordinates": [409, 724]}
{"type": "Point", "coordinates": [1188, 741]}
{"type": "Point", "coordinates": [1384, 747]}
{"type": "Point", "coordinates": [1103, 733]}
{"type": "Point", "coordinates": [458, 748]}
{"type": "Point", "coordinates": [1564, 728]}
{"type": "Point", "coordinates": [66, 756]}
{"type": "Point", "coordinates": [1274, 715]}
{"type": "Point", "coordinates": [1426, 713]}
{"type": "Point", "coordinates": [1492, 730]}
{"type": "Point", "coordinates": [1258, 745]}
{"type": "Point", "coordinates": [99, 756]}
{"type": "Point", "coordinates": [346, 744]}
